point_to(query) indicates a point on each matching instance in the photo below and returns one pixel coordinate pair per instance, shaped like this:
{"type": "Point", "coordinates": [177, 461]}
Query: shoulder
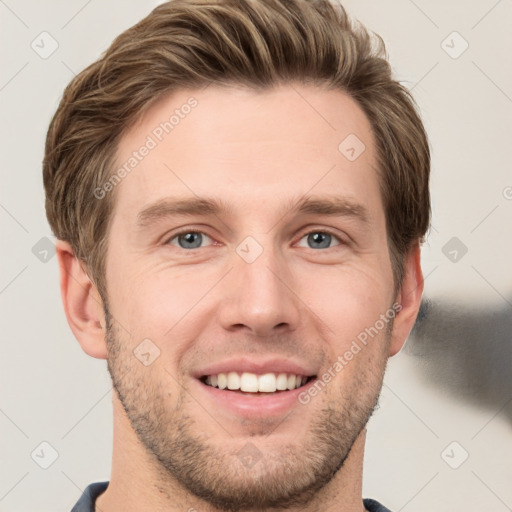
{"type": "Point", "coordinates": [88, 498]}
{"type": "Point", "coordinates": [374, 506]}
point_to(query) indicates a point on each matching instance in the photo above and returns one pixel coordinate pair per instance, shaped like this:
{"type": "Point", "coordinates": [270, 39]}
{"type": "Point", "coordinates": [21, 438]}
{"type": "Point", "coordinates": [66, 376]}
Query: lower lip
{"type": "Point", "coordinates": [255, 404]}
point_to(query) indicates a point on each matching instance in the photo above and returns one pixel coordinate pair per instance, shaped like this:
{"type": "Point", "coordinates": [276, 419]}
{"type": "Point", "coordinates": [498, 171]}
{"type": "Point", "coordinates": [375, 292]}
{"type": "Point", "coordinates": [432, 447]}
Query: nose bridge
{"type": "Point", "coordinates": [258, 295]}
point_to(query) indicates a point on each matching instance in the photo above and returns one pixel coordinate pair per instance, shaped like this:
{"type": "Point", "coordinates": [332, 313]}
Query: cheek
{"type": "Point", "coordinates": [357, 339]}
{"type": "Point", "coordinates": [348, 299]}
{"type": "Point", "coordinates": [163, 306]}
{"type": "Point", "coordinates": [175, 305]}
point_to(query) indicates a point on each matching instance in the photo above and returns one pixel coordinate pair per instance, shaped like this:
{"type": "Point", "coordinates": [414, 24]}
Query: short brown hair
{"type": "Point", "coordinates": [254, 43]}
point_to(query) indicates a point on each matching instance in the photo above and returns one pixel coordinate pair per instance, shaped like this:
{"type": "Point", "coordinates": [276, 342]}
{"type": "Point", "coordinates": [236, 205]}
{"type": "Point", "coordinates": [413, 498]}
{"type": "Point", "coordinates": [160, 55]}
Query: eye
{"type": "Point", "coordinates": [195, 239]}
{"type": "Point", "coordinates": [188, 239]}
{"type": "Point", "coordinates": [320, 240]}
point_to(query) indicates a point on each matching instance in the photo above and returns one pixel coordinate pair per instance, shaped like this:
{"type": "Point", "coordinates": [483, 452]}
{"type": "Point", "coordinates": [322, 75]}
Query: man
{"type": "Point", "coordinates": [239, 190]}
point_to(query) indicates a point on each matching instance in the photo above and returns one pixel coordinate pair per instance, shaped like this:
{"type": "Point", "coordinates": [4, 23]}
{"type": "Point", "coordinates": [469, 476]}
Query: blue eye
{"type": "Point", "coordinates": [195, 240]}
{"type": "Point", "coordinates": [189, 239]}
{"type": "Point", "coordinates": [320, 240]}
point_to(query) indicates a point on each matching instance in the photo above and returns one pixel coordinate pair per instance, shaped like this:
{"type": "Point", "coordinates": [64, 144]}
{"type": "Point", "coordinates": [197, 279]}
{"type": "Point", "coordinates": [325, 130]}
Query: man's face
{"type": "Point", "coordinates": [259, 287]}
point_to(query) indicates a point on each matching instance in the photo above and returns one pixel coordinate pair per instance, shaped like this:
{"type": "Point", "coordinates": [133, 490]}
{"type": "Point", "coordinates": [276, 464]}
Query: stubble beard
{"type": "Point", "coordinates": [182, 452]}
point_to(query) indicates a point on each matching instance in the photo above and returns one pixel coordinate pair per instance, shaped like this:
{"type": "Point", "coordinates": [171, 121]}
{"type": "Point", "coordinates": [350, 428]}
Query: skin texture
{"type": "Point", "coordinates": [176, 446]}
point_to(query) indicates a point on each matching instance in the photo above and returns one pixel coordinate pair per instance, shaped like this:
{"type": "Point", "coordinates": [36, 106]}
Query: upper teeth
{"type": "Point", "coordinates": [252, 383]}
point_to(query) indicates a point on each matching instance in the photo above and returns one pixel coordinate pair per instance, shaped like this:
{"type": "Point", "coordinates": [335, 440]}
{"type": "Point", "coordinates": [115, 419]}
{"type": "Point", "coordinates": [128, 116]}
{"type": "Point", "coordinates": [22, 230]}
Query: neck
{"type": "Point", "coordinates": [138, 483]}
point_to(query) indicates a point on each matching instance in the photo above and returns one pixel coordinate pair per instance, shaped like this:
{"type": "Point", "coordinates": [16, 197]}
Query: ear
{"type": "Point", "coordinates": [409, 297]}
{"type": "Point", "coordinates": [82, 303]}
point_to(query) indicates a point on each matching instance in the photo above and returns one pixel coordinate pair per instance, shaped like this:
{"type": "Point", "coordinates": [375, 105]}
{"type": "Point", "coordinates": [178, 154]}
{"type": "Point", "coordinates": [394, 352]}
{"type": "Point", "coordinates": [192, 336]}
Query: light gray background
{"type": "Point", "coordinates": [451, 383]}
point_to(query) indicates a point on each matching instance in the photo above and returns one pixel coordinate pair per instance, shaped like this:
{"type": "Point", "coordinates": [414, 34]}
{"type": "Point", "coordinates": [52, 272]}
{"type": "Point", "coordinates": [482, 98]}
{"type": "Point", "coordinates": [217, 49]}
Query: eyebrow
{"type": "Point", "coordinates": [195, 206]}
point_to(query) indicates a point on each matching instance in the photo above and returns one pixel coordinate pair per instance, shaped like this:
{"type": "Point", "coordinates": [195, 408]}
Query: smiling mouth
{"type": "Point", "coordinates": [253, 383]}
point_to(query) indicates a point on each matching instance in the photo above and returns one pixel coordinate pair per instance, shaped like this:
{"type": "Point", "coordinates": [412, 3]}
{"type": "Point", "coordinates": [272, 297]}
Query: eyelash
{"type": "Point", "coordinates": [186, 231]}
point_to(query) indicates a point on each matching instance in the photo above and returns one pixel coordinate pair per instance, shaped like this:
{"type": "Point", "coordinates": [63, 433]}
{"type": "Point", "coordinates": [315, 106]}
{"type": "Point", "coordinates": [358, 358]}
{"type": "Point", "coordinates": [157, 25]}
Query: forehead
{"type": "Point", "coordinates": [248, 147]}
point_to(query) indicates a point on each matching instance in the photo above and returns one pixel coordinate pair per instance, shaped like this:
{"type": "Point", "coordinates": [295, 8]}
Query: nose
{"type": "Point", "coordinates": [259, 296]}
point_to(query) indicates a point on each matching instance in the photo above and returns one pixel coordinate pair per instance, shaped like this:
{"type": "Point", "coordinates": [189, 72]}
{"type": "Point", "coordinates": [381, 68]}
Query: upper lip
{"type": "Point", "coordinates": [257, 366]}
